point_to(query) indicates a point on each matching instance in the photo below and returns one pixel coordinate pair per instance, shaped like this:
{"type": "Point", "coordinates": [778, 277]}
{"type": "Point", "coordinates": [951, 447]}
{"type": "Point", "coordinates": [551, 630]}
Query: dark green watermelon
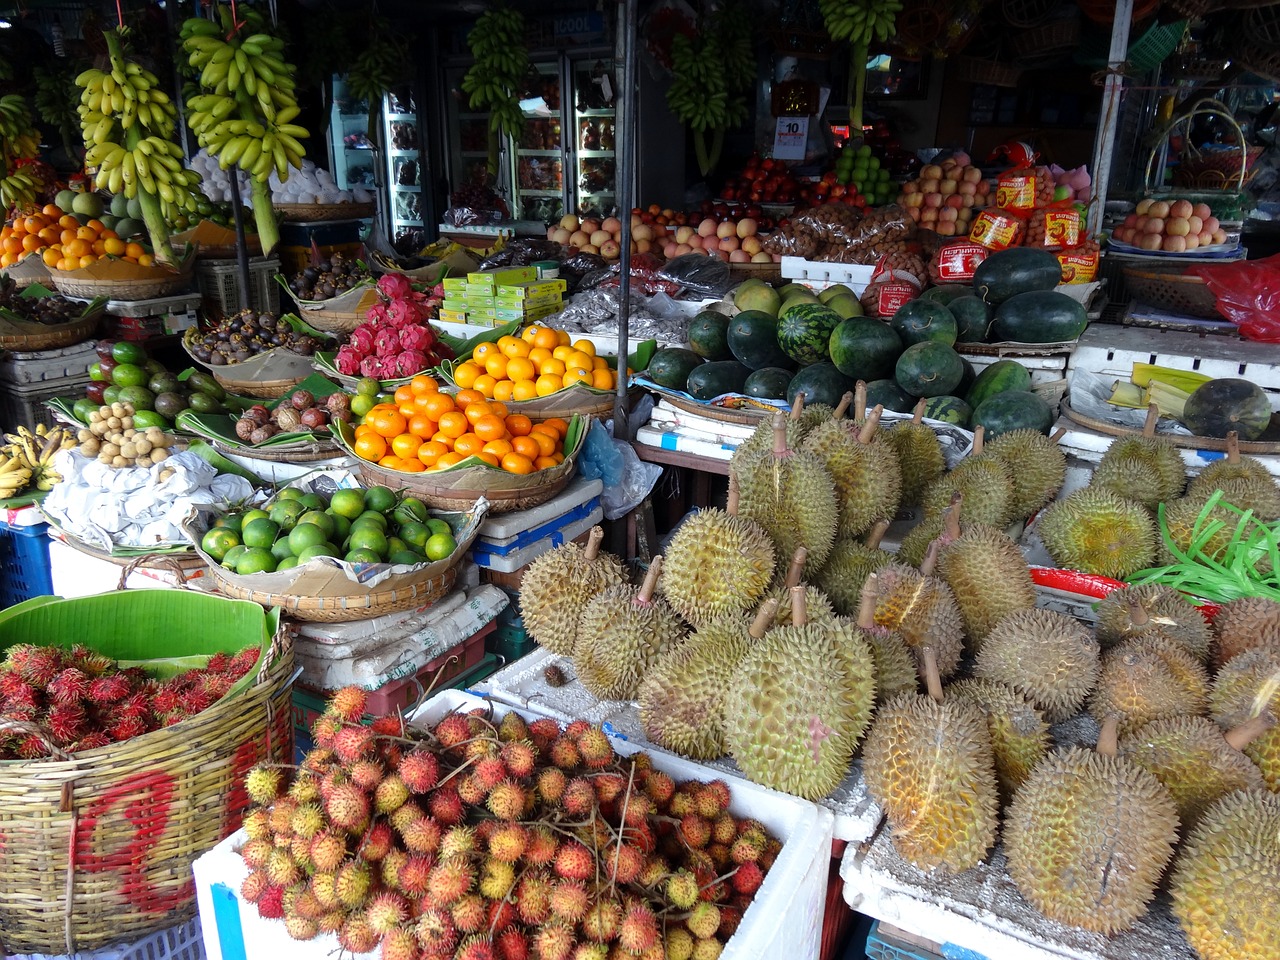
{"type": "Point", "coordinates": [768, 383]}
{"type": "Point", "coordinates": [973, 319]}
{"type": "Point", "coordinates": [708, 335]}
{"type": "Point", "coordinates": [1220, 406]}
{"type": "Point", "coordinates": [1042, 316]}
{"type": "Point", "coordinates": [753, 340]}
{"type": "Point", "coordinates": [947, 292]}
{"type": "Point", "coordinates": [670, 367]}
{"type": "Point", "coordinates": [929, 369]}
{"type": "Point", "coordinates": [804, 332]}
{"type": "Point", "coordinates": [864, 349]}
{"type": "Point", "coordinates": [820, 383]}
{"type": "Point", "coordinates": [710, 380]}
{"type": "Point", "coordinates": [996, 378]}
{"type": "Point", "coordinates": [889, 395]}
{"type": "Point", "coordinates": [1013, 410]}
{"type": "Point", "coordinates": [948, 409]}
{"type": "Point", "coordinates": [1008, 273]}
{"type": "Point", "coordinates": [919, 320]}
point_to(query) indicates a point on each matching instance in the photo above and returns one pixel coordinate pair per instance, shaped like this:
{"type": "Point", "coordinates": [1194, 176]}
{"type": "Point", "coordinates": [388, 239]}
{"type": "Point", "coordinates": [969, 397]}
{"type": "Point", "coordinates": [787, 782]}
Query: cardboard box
{"type": "Point", "coordinates": [534, 290]}
{"type": "Point", "coordinates": [453, 316]}
{"type": "Point", "coordinates": [455, 285]}
{"type": "Point", "coordinates": [491, 279]}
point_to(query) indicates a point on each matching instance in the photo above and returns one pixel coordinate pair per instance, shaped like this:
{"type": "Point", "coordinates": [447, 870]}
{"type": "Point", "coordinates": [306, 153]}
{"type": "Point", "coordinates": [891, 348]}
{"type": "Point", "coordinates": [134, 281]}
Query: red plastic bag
{"type": "Point", "coordinates": [1248, 294]}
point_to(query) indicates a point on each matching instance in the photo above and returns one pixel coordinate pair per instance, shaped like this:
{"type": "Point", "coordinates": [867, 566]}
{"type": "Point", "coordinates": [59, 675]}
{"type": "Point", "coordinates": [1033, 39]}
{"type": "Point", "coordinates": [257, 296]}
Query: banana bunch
{"type": "Point", "coordinates": [55, 98]}
{"type": "Point", "coordinates": [501, 63]}
{"type": "Point", "coordinates": [18, 190]}
{"type": "Point", "coordinates": [18, 137]}
{"type": "Point", "coordinates": [245, 116]}
{"type": "Point", "coordinates": [378, 68]}
{"type": "Point", "coordinates": [861, 22]}
{"type": "Point", "coordinates": [31, 454]}
{"type": "Point", "coordinates": [699, 91]}
{"type": "Point", "coordinates": [14, 477]}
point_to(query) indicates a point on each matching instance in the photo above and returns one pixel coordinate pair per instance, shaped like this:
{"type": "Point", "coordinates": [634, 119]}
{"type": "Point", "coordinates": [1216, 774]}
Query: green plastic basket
{"type": "Point", "coordinates": [1145, 53]}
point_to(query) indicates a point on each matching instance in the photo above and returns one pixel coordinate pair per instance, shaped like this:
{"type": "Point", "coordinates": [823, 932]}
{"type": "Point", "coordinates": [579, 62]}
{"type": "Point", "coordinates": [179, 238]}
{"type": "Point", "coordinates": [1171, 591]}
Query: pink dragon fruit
{"type": "Point", "coordinates": [411, 362]}
{"type": "Point", "coordinates": [395, 286]}
{"type": "Point", "coordinates": [375, 367]}
{"type": "Point", "coordinates": [347, 361]}
{"type": "Point", "coordinates": [377, 315]}
{"type": "Point", "coordinates": [386, 343]}
{"type": "Point", "coordinates": [417, 337]}
{"type": "Point", "coordinates": [362, 339]}
{"type": "Point", "coordinates": [402, 312]}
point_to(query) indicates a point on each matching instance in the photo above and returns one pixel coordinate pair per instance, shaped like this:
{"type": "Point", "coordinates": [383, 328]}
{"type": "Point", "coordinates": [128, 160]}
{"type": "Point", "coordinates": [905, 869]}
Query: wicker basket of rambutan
{"type": "Point", "coordinates": [122, 757]}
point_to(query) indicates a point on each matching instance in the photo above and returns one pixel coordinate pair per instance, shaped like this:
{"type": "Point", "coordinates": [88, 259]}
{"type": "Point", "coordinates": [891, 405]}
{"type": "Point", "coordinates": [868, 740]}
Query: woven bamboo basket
{"type": "Point", "coordinates": [1189, 296]}
{"type": "Point", "coordinates": [342, 609]}
{"type": "Point", "coordinates": [340, 314]}
{"type": "Point", "coordinates": [314, 212]}
{"type": "Point", "coordinates": [990, 72]}
{"type": "Point", "coordinates": [1027, 13]}
{"type": "Point", "coordinates": [261, 389]}
{"type": "Point", "coordinates": [284, 453]}
{"type": "Point", "coordinates": [485, 481]}
{"type": "Point", "coordinates": [99, 844]}
{"type": "Point", "coordinates": [165, 281]}
{"type": "Point", "coordinates": [28, 270]}
{"type": "Point", "coordinates": [1045, 44]}
{"type": "Point", "coordinates": [1225, 171]}
{"type": "Point", "coordinates": [22, 335]}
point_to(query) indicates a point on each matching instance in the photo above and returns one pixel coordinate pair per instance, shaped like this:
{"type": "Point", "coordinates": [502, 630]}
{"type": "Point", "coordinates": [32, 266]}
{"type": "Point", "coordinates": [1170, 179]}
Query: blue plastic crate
{"type": "Point", "coordinates": [24, 563]}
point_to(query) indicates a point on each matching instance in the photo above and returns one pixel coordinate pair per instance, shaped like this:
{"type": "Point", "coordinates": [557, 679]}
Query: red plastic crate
{"type": "Point", "coordinates": [403, 694]}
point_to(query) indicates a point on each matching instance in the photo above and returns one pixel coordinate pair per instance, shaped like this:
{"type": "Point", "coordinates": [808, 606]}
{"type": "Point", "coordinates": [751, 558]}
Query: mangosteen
{"type": "Point", "coordinates": [324, 266]}
{"type": "Point", "coordinates": [217, 360]}
{"type": "Point", "coordinates": [302, 399]}
{"type": "Point", "coordinates": [313, 418]}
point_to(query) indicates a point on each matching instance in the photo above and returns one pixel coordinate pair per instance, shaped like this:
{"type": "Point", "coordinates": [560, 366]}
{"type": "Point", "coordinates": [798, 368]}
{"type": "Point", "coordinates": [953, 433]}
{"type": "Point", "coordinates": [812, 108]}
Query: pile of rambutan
{"type": "Point", "coordinates": [479, 839]}
{"type": "Point", "coordinates": [81, 700]}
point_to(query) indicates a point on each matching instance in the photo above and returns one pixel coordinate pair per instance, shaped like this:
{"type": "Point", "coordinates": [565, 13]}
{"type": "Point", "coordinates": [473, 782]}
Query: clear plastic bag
{"type": "Point", "coordinates": [596, 311]}
{"type": "Point", "coordinates": [785, 242]}
{"type": "Point", "coordinates": [472, 217]}
{"type": "Point", "coordinates": [627, 479]}
{"type": "Point", "coordinates": [699, 273]}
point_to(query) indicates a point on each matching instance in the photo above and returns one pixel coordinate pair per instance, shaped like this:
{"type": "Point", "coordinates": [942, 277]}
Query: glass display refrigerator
{"type": "Point", "coordinates": [353, 161]}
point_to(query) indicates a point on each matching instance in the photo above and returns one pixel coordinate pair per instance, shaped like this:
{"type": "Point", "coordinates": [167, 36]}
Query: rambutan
{"type": "Point", "coordinates": [564, 753]}
{"type": "Point", "coordinates": [435, 932]}
{"type": "Point", "coordinates": [638, 931]}
{"type": "Point", "coordinates": [377, 841]}
{"type": "Point", "coordinates": [659, 787]}
{"type": "Point", "coordinates": [66, 721]}
{"type": "Point", "coordinates": [541, 846]}
{"type": "Point", "coordinates": [543, 731]}
{"type": "Point", "coordinates": [281, 816]}
{"type": "Point", "coordinates": [579, 797]}
{"type": "Point", "coordinates": [712, 798]}
{"type": "Point", "coordinates": [404, 815]}
{"type": "Point", "coordinates": [453, 730]}
{"type": "Point", "coordinates": [731, 916]}
{"type": "Point", "coordinates": [695, 831]}
{"type": "Point", "coordinates": [215, 686]}
{"type": "Point", "coordinates": [305, 787]}
{"type": "Point", "coordinates": [508, 841]}
{"type": "Point", "coordinates": [520, 757]}
{"type": "Point", "coordinates": [12, 684]}
{"type": "Point", "coordinates": [533, 898]}
{"type": "Point", "coordinates": [257, 824]}
{"type": "Point", "coordinates": [681, 804]}
{"type": "Point", "coordinates": [597, 751]}
{"type": "Point", "coordinates": [324, 887]}
{"type": "Point", "coordinates": [255, 853]}
{"type": "Point", "coordinates": [31, 747]}
{"type": "Point", "coordinates": [446, 806]}
{"type": "Point", "coordinates": [682, 889]}
{"type": "Point", "coordinates": [353, 883]}
{"type": "Point", "coordinates": [263, 784]}
{"type": "Point", "coordinates": [501, 914]}
{"type": "Point", "coordinates": [327, 851]}
{"type": "Point", "coordinates": [506, 801]}
{"type": "Point", "coordinates": [470, 789]}
{"type": "Point", "coordinates": [348, 704]}
{"type": "Point", "coordinates": [400, 944]}
{"type": "Point", "coordinates": [512, 727]}
{"type": "Point", "coordinates": [772, 847]}
{"type": "Point", "coordinates": [390, 865]}
{"type": "Point", "coordinates": [653, 873]}
{"type": "Point", "coordinates": [475, 948]}
{"type": "Point", "coordinates": [352, 743]}
{"type": "Point", "coordinates": [421, 835]}
{"type": "Point", "coordinates": [602, 920]}
{"type": "Point", "coordinates": [165, 699]}
{"type": "Point", "coordinates": [253, 886]}
{"type": "Point", "coordinates": [574, 861]}
{"type": "Point", "coordinates": [366, 774]}
{"type": "Point", "coordinates": [307, 820]}
{"type": "Point", "coordinates": [243, 662]}
{"type": "Point", "coordinates": [414, 874]}
{"type": "Point", "coordinates": [282, 869]}
{"type": "Point", "coordinates": [386, 911]}
{"type": "Point", "coordinates": [708, 949]}
{"type": "Point", "coordinates": [271, 903]}
{"type": "Point", "coordinates": [450, 881]}
{"type": "Point", "coordinates": [512, 944]}
{"type": "Point", "coordinates": [89, 661]}
{"type": "Point", "coordinates": [747, 878]}
{"type": "Point", "coordinates": [306, 904]}
{"type": "Point", "coordinates": [703, 920]}
{"type": "Point", "coordinates": [36, 665]}
{"type": "Point", "coordinates": [93, 740]}
{"type": "Point", "coordinates": [348, 807]}
{"type": "Point", "coordinates": [218, 663]}
{"type": "Point", "coordinates": [623, 862]}
{"type": "Point", "coordinates": [331, 921]}
{"type": "Point", "coordinates": [420, 770]}
{"type": "Point", "coordinates": [590, 951]}
{"type": "Point", "coordinates": [748, 848]}
{"type": "Point", "coordinates": [550, 784]}
{"type": "Point", "coordinates": [469, 913]}
{"type": "Point", "coordinates": [324, 730]}
{"type": "Point", "coordinates": [356, 935]}
{"type": "Point", "coordinates": [126, 728]}
{"type": "Point", "coordinates": [300, 850]}
{"type": "Point", "coordinates": [719, 855]}
{"type": "Point", "coordinates": [570, 900]}
{"type": "Point", "coordinates": [554, 941]}
{"type": "Point", "coordinates": [458, 842]}
{"type": "Point", "coordinates": [576, 729]}
{"type": "Point", "coordinates": [496, 879]}
{"type": "Point", "coordinates": [678, 943]}
{"type": "Point", "coordinates": [490, 771]}
{"type": "Point", "coordinates": [609, 786]}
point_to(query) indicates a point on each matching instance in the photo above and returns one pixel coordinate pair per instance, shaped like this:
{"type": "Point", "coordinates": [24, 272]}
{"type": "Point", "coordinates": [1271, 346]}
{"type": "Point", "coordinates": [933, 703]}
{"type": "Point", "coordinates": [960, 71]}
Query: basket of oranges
{"type": "Point", "coordinates": [451, 448]}
{"type": "Point", "coordinates": [541, 374]}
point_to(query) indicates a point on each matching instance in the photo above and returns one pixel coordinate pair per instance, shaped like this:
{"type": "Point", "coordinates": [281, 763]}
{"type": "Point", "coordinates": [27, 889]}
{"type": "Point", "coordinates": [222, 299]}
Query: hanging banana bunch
{"type": "Point", "coordinates": [861, 22]}
{"type": "Point", "coordinates": [245, 115]}
{"type": "Point", "coordinates": [19, 142]}
{"type": "Point", "coordinates": [377, 70]}
{"type": "Point", "coordinates": [494, 80]}
{"type": "Point", "coordinates": [55, 98]}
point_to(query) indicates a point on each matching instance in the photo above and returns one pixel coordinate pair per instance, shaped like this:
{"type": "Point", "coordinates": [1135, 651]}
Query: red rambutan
{"type": "Point", "coordinates": [324, 730]}
{"type": "Point", "coordinates": [348, 704]}
{"type": "Point", "coordinates": [506, 801]}
{"type": "Point", "coordinates": [243, 662]}
{"type": "Point", "coordinates": [421, 835]}
{"type": "Point", "coordinates": [731, 918]}
{"type": "Point", "coordinates": [400, 944]}
{"type": "Point", "coordinates": [712, 798]}
{"type": "Point", "coordinates": [501, 915]}
{"type": "Point", "coordinates": [366, 774]}
{"type": "Point", "coordinates": [12, 685]}
{"type": "Point", "coordinates": [327, 851]}
{"type": "Point", "coordinates": [543, 729]}
{"type": "Point", "coordinates": [554, 941]}
{"type": "Point", "coordinates": [420, 770]}
{"type": "Point", "coordinates": [623, 862]}
{"type": "Point", "coordinates": [579, 797]}
{"type": "Point", "coordinates": [446, 806]}
{"type": "Point", "coordinates": [126, 728]}
{"type": "Point", "coordinates": [564, 753]}
{"type": "Point", "coordinates": [386, 911]}
{"type": "Point", "coordinates": [470, 789]}
{"type": "Point", "coordinates": [253, 886]}
{"type": "Point", "coordinates": [475, 948]}
{"type": "Point", "coordinates": [356, 935]}
{"type": "Point", "coordinates": [66, 721]}
{"type": "Point", "coordinates": [348, 807]}
{"type": "Point", "coordinates": [597, 751]}
{"type": "Point", "coordinates": [747, 878]}
{"type": "Point", "coordinates": [469, 913]}
{"type": "Point", "coordinates": [508, 842]}
{"type": "Point", "coordinates": [659, 787]}
{"type": "Point", "coordinates": [435, 932]}
{"type": "Point", "coordinates": [512, 944]}
{"type": "Point", "coordinates": [218, 663]}
{"type": "Point", "coordinates": [541, 846]}
{"type": "Point", "coordinates": [520, 757]}
{"type": "Point", "coordinates": [271, 903]}
{"type": "Point", "coordinates": [135, 704]}
{"type": "Point", "coordinates": [533, 898]}
{"type": "Point", "coordinates": [576, 729]}
{"type": "Point", "coordinates": [453, 730]}
{"type": "Point", "coordinates": [638, 931]}
{"type": "Point", "coordinates": [574, 861]}
{"type": "Point", "coordinates": [414, 874]}
{"type": "Point", "coordinates": [602, 920]}
{"type": "Point", "coordinates": [609, 786]}
{"type": "Point", "coordinates": [377, 841]}
{"type": "Point", "coordinates": [352, 743]}
{"type": "Point", "coordinates": [695, 831]}
{"type": "Point", "coordinates": [490, 771]}
{"type": "Point", "coordinates": [36, 665]}
{"type": "Point", "coordinates": [570, 900]}
{"type": "Point", "coordinates": [93, 740]}
{"type": "Point", "coordinates": [450, 880]}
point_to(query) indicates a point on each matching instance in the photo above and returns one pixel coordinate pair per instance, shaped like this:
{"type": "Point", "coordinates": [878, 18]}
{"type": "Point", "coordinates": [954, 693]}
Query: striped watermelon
{"type": "Point", "coordinates": [804, 331]}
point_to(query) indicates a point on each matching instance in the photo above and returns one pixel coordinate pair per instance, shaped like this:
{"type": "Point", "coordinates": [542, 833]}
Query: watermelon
{"type": "Point", "coordinates": [1018, 270]}
{"type": "Point", "coordinates": [1216, 408]}
{"type": "Point", "coordinates": [753, 340]}
{"type": "Point", "coordinates": [708, 335]}
{"type": "Point", "coordinates": [918, 320]}
{"type": "Point", "coordinates": [864, 349]}
{"type": "Point", "coordinates": [889, 395]}
{"type": "Point", "coordinates": [768, 383]}
{"type": "Point", "coordinates": [947, 293]}
{"type": "Point", "coordinates": [996, 378]}
{"type": "Point", "coordinates": [1013, 410]}
{"type": "Point", "coordinates": [710, 380]}
{"type": "Point", "coordinates": [820, 383]}
{"type": "Point", "coordinates": [973, 319]}
{"type": "Point", "coordinates": [929, 369]}
{"type": "Point", "coordinates": [1042, 316]}
{"type": "Point", "coordinates": [948, 409]}
{"type": "Point", "coordinates": [804, 331]}
{"type": "Point", "coordinates": [670, 367]}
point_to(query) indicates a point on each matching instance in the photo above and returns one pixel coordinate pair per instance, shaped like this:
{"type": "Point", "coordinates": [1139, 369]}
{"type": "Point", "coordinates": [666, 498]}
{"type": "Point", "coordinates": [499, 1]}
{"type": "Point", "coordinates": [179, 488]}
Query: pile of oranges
{"type": "Point", "coordinates": [425, 429]}
{"type": "Point", "coordinates": [539, 362]}
{"type": "Point", "coordinates": [64, 243]}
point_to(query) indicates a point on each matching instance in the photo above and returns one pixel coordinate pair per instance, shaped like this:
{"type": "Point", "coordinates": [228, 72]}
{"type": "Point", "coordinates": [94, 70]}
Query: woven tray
{"type": "Point", "coordinates": [487, 483]}
{"type": "Point", "coordinates": [313, 212]}
{"type": "Point", "coordinates": [1251, 447]}
{"type": "Point", "coordinates": [164, 282]}
{"type": "Point", "coordinates": [344, 609]}
{"type": "Point", "coordinates": [340, 314]}
{"type": "Point", "coordinates": [743, 416]}
{"type": "Point", "coordinates": [17, 335]}
{"type": "Point", "coordinates": [28, 270]}
{"type": "Point", "coordinates": [1190, 296]}
{"type": "Point", "coordinates": [989, 72]}
{"type": "Point", "coordinates": [261, 389]}
{"type": "Point", "coordinates": [287, 453]}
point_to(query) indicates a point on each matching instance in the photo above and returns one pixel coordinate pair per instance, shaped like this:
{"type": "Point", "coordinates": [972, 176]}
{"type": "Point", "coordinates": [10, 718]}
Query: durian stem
{"type": "Point", "coordinates": [951, 517]}
{"type": "Point", "coordinates": [867, 602]}
{"type": "Point", "coordinates": [594, 539]}
{"type": "Point", "coordinates": [796, 570]}
{"type": "Point", "coordinates": [650, 580]}
{"type": "Point", "coordinates": [735, 496]}
{"type": "Point", "coordinates": [932, 678]}
{"type": "Point", "coordinates": [1138, 613]}
{"type": "Point", "coordinates": [872, 425]}
{"type": "Point", "coordinates": [917, 414]}
{"type": "Point", "coordinates": [876, 534]}
{"type": "Point", "coordinates": [1240, 737]}
{"type": "Point", "coordinates": [1057, 435]}
{"type": "Point", "coordinates": [797, 405]}
{"type": "Point", "coordinates": [765, 616]}
{"type": "Point", "coordinates": [1233, 447]}
{"type": "Point", "coordinates": [1153, 414]}
{"type": "Point", "coordinates": [930, 562]}
{"type": "Point", "coordinates": [860, 399]}
{"type": "Point", "coordinates": [799, 613]}
{"type": "Point", "coordinates": [1109, 737]}
{"type": "Point", "coordinates": [780, 435]}
{"type": "Point", "coordinates": [978, 433]}
{"type": "Point", "coordinates": [843, 406]}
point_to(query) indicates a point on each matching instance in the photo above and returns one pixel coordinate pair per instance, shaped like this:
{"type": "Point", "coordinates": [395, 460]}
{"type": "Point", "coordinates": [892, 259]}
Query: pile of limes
{"type": "Point", "coordinates": [371, 525]}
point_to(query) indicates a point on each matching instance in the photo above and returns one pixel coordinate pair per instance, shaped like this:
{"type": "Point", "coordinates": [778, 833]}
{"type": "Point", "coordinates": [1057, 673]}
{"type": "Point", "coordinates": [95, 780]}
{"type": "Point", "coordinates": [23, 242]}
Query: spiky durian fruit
{"type": "Point", "coordinates": [896, 668]}
{"type": "Point", "coordinates": [1152, 608]}
{"type": "Point", "coordinates": [818, 606]}
{"type": "Point", "coordinates": [1195, 760]}
{"type": "Point", "coordinates": [928, 763]}
{"type": "Point", "coordinates": [1037, 465]}
{"type": "Point", "coordinates": [1182, 518]}
{"type": "Point", "coordinates": [558, 584]}
{"type": "Point", "coordinates": [842, 576]}
{"type": "Point", "coordinates": [1248, 686]}
{"type": "Point", "coordinates": [915, 542]}
{"type": "Point", "coordinates": [791, 495]}
{"type": "Point", "coordinates": [622, 632]}
{"type": "Point", "coordinates": [864, 467]}
{"type": "Point", "coordinates": [984, 481]}
{"type": "Point", "coordinates": [1243, 625]}
{"type": "Point", "coordinates": [1147, 678]}
{"type": "Point", "coordinates": [1088, 837]}
{"type": "Point", "coordinates": [1244, 482]}
{"type": "Point", "coordinates": [798, 704]}
{"type": "Point", "coordinates": [1047, 656]}
{"type": "Point", "coordinates": [718, 564]}
{"type": "Point", "coordinates": [799, 422]}
{"type": "Point", "coordinates": [1098, 532]}
{"type": "Point", "coordinates": [919, 454]}
{"type": "Point", "coordinates": [921, 608]}
{"type": "Point", "coordinates": [986, 572]}
{"type": "Point", "coordinates": [1019, 734]}
{"type": "Point", "coordinates": [1225, 879]}
{"type": "Point", "coordinates": [1145, 469]}
{"type": "Point", "coordinates": [681, 698]}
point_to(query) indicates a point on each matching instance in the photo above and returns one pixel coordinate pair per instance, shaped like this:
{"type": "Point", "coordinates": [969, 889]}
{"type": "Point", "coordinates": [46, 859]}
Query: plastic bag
{"type": "Point", "coordinates": [888, 290]}
{"type": "Point", "coordinates": [523, 253]}
{"type": "Point", "coordinates": [471, 217]}
{"type": "Point", "coordinates": [1055, 227]}
{"type": "Point", "coordinates": [1080, 264]}
{"type": "Point", "coordinates": [830, 223]}
{"type": "Point", "coordinates": [698, 273]}
{"type": "Point", "coordinates": [1023, 189]}
{"type": "Point", "coordinates": [646, 276]}
{"type": "Point", "coordinates": [1248, 294]}
{"type": "Point", "coordinates": [997, 229]}
{"type": "Point", "coordinates": [596, 311]}
{"type": "Point", "coordinates": [627, 479]}
{"type": "Point", "coordinates": [788, 242]}
{"type": "Point", "coordinates": [955, 262]}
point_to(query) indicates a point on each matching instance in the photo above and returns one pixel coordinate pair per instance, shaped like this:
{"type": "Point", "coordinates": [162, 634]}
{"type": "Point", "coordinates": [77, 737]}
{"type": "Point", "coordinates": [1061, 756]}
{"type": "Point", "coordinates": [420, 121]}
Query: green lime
{"type": "Point", "coordinates": [289, 493]}
{"type": "Point", "coordinates": [218, 541]}
{"type": "Point", "coordinates": [386, 398]}
{"type": "Point", "coordinates": [368, 538]}
{"type": "Point", "coordinates": [411, 509]}
{"type": "Point", "coordinates": [306, 535]}
{"type": "Point", "coordinates": [287, 563]}
{"type": "Point", "coordinates": [436, 525]}
{"type": "Point", "coordinates": [122, 351]}
{"type": "Point", "coordinates": [361, 555]}
{"type": "Point", "coordinates": [371, 516]}
{"type": "Point", "coordinates": [231, 521]}
{"type": "Point", "coordinates": [362, 404]}
{"type": "Point", "coordinates": [233, 556]}
{"type": "Point", "coordinates": [381, 499]}
{"type": "Point", "coordinates": [254, 514]}
{"type": "Point", "coordinates": [286, 513]}
{"type": "Point", "coordinates": [405, 556]}
{"type": "Point", "coordinates": [256, 560]}
{"type": "Point", "coordinates": [83, 407]}
{"type": "Point", "coordinates": [440, 545]}
{"type": "Point", "coordinates": [415, 534]}
{"type": "Point", "coordinates": [261, 532]}
{"type": "Point", "coordinates": [321, 519]}
{"type": "Point", "coordinates": [395, 545]}
{"type": "Point", "coordinates": [368, 387]}
{"type": "Point", "coordinates": [280, 549]}
{"type": "Point", "coordinates": [347, 503]}
{"type": "Point", "coordinates": [129, 375]}
{"type": "Point", "coordinates": [312, 501]}
{"type": "Point", "coordinates": [341, 526]}
{"type": "Point", "coordinates": [325, 549]}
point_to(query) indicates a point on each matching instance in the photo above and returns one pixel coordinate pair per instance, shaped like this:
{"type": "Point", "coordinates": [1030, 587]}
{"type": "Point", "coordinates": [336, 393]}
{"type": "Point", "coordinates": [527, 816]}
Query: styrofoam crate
{"type": "Point", "coordinates": [819, 275]}
{"type": "Point", "coordinates": [504, 527]}
{"type": "Point", "coordinates": [76, 574]}
{"type": "Point", "coordinates": [1088, 446]}
{"type": "Point", "coordinates": [515, 560]}
{"type": "Point", "coordinates": [64, 363]}
{"type": "Point", "coordinates": [179, 303]}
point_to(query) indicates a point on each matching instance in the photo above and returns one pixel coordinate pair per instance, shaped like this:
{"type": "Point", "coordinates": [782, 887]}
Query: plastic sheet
{"type": "Point", "coordinates": [1248, 293]}
{"type": "Point", "coordinates": [596, 311]}
{"type": "Point", "coordinates": [523, 253]}
{"type": "Point", "coordinates": [699, 273]}
{"type": "Point", "coordinates": [627, 479]}
{"type": "Point", "coordinates": [472, 217]}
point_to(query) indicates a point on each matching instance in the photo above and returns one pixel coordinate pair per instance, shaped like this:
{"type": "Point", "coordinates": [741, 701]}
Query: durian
{"type": "Point", "coordinates": [791, 495]}
{"type": "Point", "coordinates": [1225, 879]}
{"type": "Point", "coordinates": [1244, 482]}
{"type": "Point", "coordinates": [915, 542]}
{"type": "Point", "coordinates": [622, 632]}
{"type": "Point", "coordinates": [919, 454]}
{"type": "Point", "coordinates": [1152, 608]}
{"type": "Point", "coordinates": [798, 704]}
{"type": "Point", "coordinates": [986, 572]}
{"type": "Point", "coordinates": [1145, 469]}
{"type": "Point", "coordinates": [921, 608]}
{"type": "Point", "coordinates": [818, 607]}
{"type": "Point", "coordinates": [864, 467]}
{"type": "Point", "coordinates": [798, 426]}
{"type": "Point", "coordinates": [1243, 625]}
{"type": "Point", "coordinates": [842, 576]}
{"type": "Point", "coordinates": [1037, 465]}
{"type": "Point", "coordinates": [1182, 520]}
{"type": "Point", "coordinates": [1094, 531]}
{"type": "Point", "coordinates": [1147, 678]}
{"type": "Point", "coordinates": [896, 668]}
{"type": "Point", "coordinates": [558, 584]}
{"type": "Point", "coordinates": [718, 564]}
{"type": "Point", "coordinates": [1019, 734]}
{"type": "Point", "coordinates": [1195, 760]}
{"type": "Point", "coordinates": [681, 699]}
{"type": "Point", "coordinates": [985, 482]}
{"type": "Point", "coordinates": [1246, 687]}
{"type": "Point", "coordinates": [1087, 837]}
{"type": "Point", "coordinates": [928, 763]}
{"type": "Point", "coordinates": [1048, 657]}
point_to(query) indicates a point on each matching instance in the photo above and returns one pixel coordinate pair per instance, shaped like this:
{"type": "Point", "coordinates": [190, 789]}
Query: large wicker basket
{"type": "Point", "coordinates": [340, 314]}
{"type": "Point", "coordinates": [98, 846]}
{"type": "Point", "coordinates": [159, 282]}
{"type": "Point", "coordinates": [26, 336]}
{"type": "Point", "coordinates": [1189, 296]}
{"type": "Point", "coordinates": [314, 212]}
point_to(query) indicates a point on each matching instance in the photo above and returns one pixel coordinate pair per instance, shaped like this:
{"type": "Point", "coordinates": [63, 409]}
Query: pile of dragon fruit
{"type": "Point", "coordinates": [395, 340]}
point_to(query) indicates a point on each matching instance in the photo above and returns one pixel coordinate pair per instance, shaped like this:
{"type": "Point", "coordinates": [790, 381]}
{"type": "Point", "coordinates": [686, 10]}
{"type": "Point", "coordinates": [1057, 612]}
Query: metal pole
{"type": "Point", "coordinates": [1104, 142]}
{"type": "Point", "coordinates": [625, 173]}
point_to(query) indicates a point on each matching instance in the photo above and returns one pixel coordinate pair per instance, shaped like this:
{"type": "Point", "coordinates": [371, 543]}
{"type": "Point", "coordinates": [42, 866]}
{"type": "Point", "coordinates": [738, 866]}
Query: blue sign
{"type": "Point", "coordinates": [579, 26]}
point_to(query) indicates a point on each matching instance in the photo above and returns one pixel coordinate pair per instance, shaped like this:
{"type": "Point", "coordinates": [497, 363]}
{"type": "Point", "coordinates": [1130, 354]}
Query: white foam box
{"type": "Point", "coordinates": [784, 919]}
{"type": "Point", "coordinates": [76, 574]}
{"type": "Point", "coordinates": [27, 516]}
{"type": "Point", "coordinates": [516, 559]}
{"type": "Point", "coordinates": [818, 275]}
{"type": "Point", "coordinates": [653, 436]}
{"type": "Point", "coordinates": [504, 528]}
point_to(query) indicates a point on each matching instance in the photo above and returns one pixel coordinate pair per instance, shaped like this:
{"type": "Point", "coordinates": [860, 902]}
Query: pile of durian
{"type": "Point", "coordinates": [778, 632]}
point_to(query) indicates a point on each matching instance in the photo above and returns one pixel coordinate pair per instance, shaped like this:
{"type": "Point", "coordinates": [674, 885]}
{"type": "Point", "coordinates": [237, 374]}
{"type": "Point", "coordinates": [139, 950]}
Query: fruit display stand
{"type": "Point", "coordinates": [157, 317]}
{"type": "Point", "coordinates": [819, 274]}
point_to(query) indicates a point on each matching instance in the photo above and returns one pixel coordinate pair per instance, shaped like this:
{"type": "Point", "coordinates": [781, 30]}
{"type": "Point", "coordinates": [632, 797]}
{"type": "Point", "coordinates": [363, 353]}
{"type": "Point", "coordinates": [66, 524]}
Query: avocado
{"type": "Point", "coordinates": [205, 403]}
{"type": "Point", "coordinates": [202, 382]}
{"type": "Point", "coordinates": [164, 383]}
{"type": "Point", "coordinates": [170, 404]}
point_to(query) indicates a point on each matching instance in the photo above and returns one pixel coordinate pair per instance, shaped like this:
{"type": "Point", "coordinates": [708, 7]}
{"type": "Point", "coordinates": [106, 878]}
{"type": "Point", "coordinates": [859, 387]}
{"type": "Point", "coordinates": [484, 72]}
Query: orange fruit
{"type": "Point", "coordinates": [113, 246]}
{"type": "Point", "coordinates": [498, 407]}
{"type": "Point", "coordinates": [483, 352]}
{"type": "Point", "coordinates": [448, 460]}
{"type": "Point", "coordinates": [422, 384]}
{"type": "Point", "coordinates": [51, 211]}
{"type": "Point", "coordinates": [51, 256]}
{"type": "Point", "coordinates": [31, 241]}
{"type": "Point", "coordinates": [558, 424]}
{"type": "Point", "coordinates": [518, 425]}
{"type": "Point", "coordinates": [539, 355]}
{"type": "Point", "coordinates": [86, 233]}
{"type": "Point", "coordinates": [496, 366]}
{"type": "Point", "coordinates": [499, 448]}
{"type": "Point", "coordinates": [406, 445]}
{"type": "Point", "coordinates": [8, 259]}
{"type": "Point", "coordinates": [430, 452]}
{"type": "Point", "coordinates": [576, 375]}
{"type": "Point", "coordinates": [530, 332]}
{"type": "Point", "coordinates": [489, 458]}
{"type": "Point", "coordinates": [489, 427]}
{"type": "Point", "coordinates": [599, 363]}
{"type": "Point", "coordinates": [548, 384]}
{"type": "Point", "coordinates": [546, 445]}
{"type": "Point", "coordinates": [563, 353]}
{"type": "Point", "coordinates": [77, 249]}
{"type": "Point", "coordinates": [553, 367]}
{"type": "Point", "coordinates": [545, 463]}
{"type": "Point", "coordinates": [527, 447]}
{"type": "Point", "coordinates": [562, 338]}
{"type": "Point", "coordinates": [436, 405]}
{"type": "Point", "coordinates": [464, 374]}
{"type": "Point", "coordinates": [108, 235]}
{"type": "Point", "coordinates": [485, 385]}
{"type": "Point", "coordinates": [134, 250]}
{"type": "Point", "coordinates": [34, 223]}
{"type": "Point", "coordinates": [577, 358]}
{"type": "Point", "coordinates": [517, 463]}
{"type": "Point", "coordinates": [146, 260]}
{"type": "Point", "coordinates": [476, 410]}
{"type": "Point", "coordinates": [97, 226]}
{"type": "Point", "coordinates": [404, 395]}
{"type": "Point", "coordinates": [524, 390]}
{"type": "Point", "coordinates": [12, 244]}
{"type": "Point", "coordinates": [603, 379]}
{"type": "Point", "coordinates": [468, 445]}
{"type": "Point", "coordinates": [504, 390]}
{"type": "Point", "coordinates": [88, 259]}
{"type": "Point", "coordinates": [464, 397]}
{"type": "Point", "coordinates": [454, 424]}
{"type": "Point", "coordinates": [422, 426]}
{"type": "Point", "coordinates": [413, 466]}
{"type": "Point", "coordinates": [68, 222]}
{"type": "Point", "coordinates": [50, 234]}
{"type": "Point", "coordinates": [370, 447]}
{"type": "Point", "coordinates": [386, 421]}
{"type": "Point", "coordinates": [363, 430]}
{"type": "Point", "coordinates": [586, 346]}
{"type": "Point", "coordinates": [391, 462]}
{"type": "Point", "coordinates": [521, 368]}
{"type": "Point", "coordinates": [515, 348]}
{"type": "Point", "coordinates": [546, 338]}
{"type": "Point", "coordinates": [66, 236]}
{"type": "Point", "coordinates": [443, 439]}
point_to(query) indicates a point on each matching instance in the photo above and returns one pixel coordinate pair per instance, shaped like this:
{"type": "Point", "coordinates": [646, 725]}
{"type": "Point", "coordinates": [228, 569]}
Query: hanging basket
{"type": "Point", "coordinates": [989, 72]}
{"type": "Point", "coordinates": [1261, 27]}
{"type": "Point", "coordinates": [1104, 11]}
{"type": "Point", "coordinates": [1205, 170]}
{"type": "Point", "coordinates": [1025, 14]}
{"type": "Point", "coordinates": [1047, 43]}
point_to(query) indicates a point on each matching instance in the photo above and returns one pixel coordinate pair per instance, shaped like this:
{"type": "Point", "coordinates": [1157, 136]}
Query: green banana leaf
{"type": "Point", "coordinates": [64, 407]}
{"type": "Point", "coordinates": [25, 500]}
{"type": "Point", "coordinates": [216, 460]}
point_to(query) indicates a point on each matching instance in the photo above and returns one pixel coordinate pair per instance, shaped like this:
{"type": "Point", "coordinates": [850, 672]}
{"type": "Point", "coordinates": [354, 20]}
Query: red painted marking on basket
{"type": "Point", "coordinates": [246, 755]}
{"type": "Point", "coordinates": [144, 801]}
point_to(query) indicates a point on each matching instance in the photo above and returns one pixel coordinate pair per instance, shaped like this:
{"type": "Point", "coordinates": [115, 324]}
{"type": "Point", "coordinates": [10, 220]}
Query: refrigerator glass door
{"type": "Point", "coordinates": [353, 156]}
{"type": "Point", "coordinates": [402, 137]}
{"type": "Point", "coordinates": [539, 157]}
{"type": "Point", "coordinates": [595, 91]}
